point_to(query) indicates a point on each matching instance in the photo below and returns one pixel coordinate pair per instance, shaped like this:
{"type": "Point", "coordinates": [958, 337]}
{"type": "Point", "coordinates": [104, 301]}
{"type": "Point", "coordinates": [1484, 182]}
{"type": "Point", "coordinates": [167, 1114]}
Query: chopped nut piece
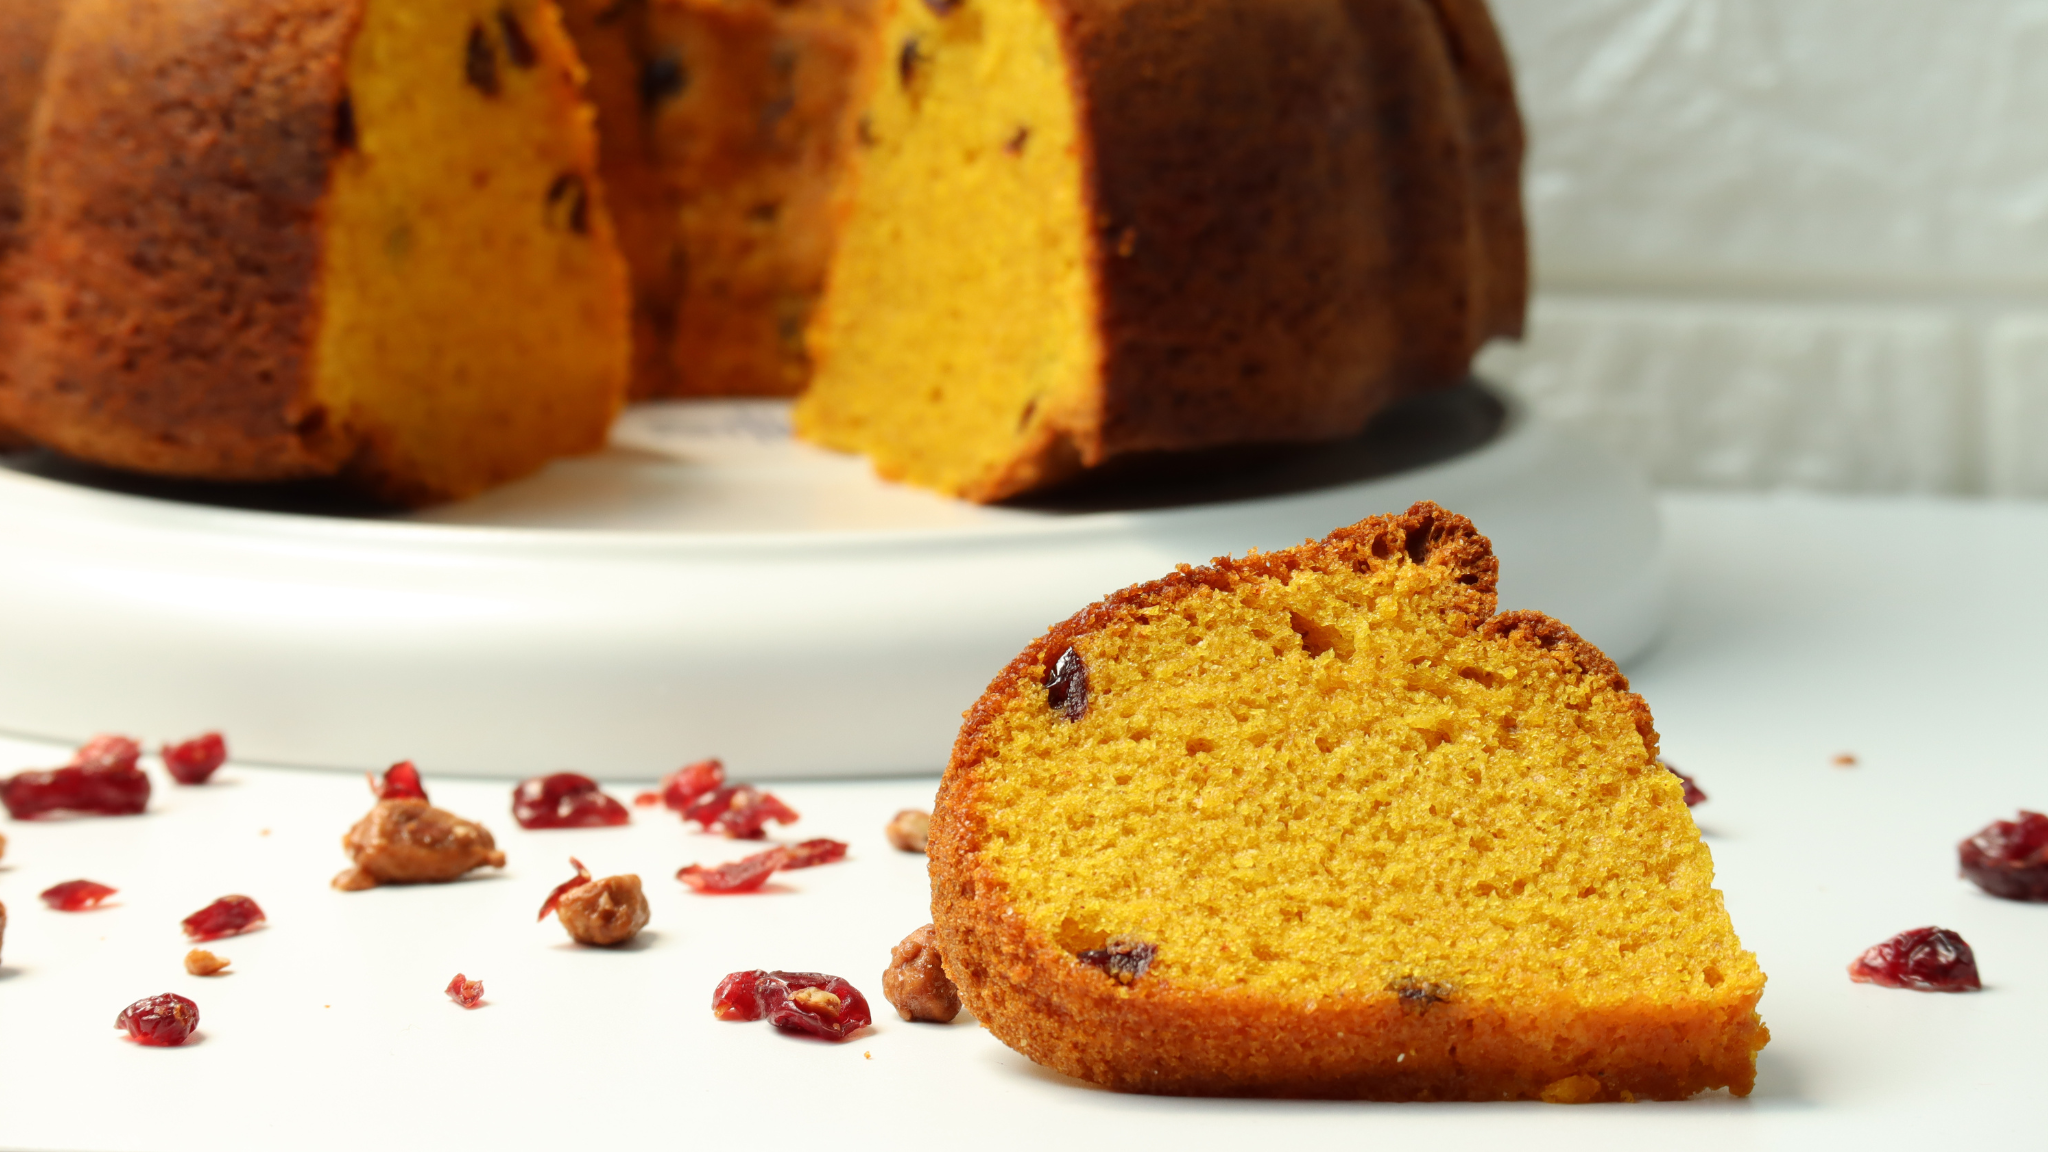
{"type": "Point", "coordinates": [413, 842]}
{"type": "Point", "coordinates": [910, 831]}
{"type": "Point", "coordinates": [816, 1001]}
{"type": "Point", "coordinates": [200, 962]}
{"type": "Point", "coordinates": [916, 981]}
{"type": "Point", "coordinates": [604, 912]}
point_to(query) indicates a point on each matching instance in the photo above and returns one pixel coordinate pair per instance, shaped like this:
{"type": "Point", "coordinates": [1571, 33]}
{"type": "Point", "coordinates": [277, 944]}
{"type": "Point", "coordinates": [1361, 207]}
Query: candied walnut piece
{"type": "Point", "coordinates": [2009, 858]}
{"type": "Point", "coordinates": [200, 962]}
{"type": "Point", "coordinates": [102, 779]}
{"type": "Point", "coordinates": [1125, 958]}
{"type": "Point", "coordinates": [480, 61]}
{"type": "Point", "coordinates": [164, 1021]}
{"type": "Point", "coordinates": [741, 811]}
{"type": "Point", "coordinates": [76, 895]}
{"type": "Point", "coordinates": [1066, 686]}
{"type": "Point", "coordinates": [738, 996]}
{"type": "Point", "coordinates": [565, 800]}
{"type": "Point", "coordinates": [466, 992]}
{"type": "Point", "coordinates": [1923, 959]}
{"type": "Point", "coordinates": [811, 853]}
{"type": "Point", "coordinates": [227, 916]}
{"type": "Point", "coordinates": [681, 789]}
{"type": "Point", "coordinates": [401, 782]}
{"type": "Point", "coordinates": [916, 981]}
{"type": "Point", "coordinates": [413, 842]}
{"type": "Point", "coordinates": [743, 875]}
{"type": "Point", "coordinates": [1419, 996]}
{"type": "Point", "coordinates": [910, 831]}
{"type": "Point", "coordinates": [1693, 795]}
{"type": "Point", "coordinates": [603, 912]}
{"type": "Point", "coordinates": [195, 760]}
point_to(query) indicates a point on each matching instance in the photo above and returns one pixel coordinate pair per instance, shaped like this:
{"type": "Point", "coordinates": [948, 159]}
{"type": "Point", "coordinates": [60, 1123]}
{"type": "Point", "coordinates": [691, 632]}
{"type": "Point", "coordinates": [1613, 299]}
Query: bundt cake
{"type": "Point", "coordinates": [1082, 228]}
{"type": "Point", "coordinates": [286, 238]}
{"type": "Point", "coordinates": [723, 124]}
{"type": "Point", "coordinates": [1319, 823]}
{"type": "Point", "coordinates": [26, 27]}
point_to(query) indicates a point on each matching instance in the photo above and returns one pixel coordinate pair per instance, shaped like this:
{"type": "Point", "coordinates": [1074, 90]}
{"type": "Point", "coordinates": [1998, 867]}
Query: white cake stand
{"type": "Point", "coordinates": [705, 587]}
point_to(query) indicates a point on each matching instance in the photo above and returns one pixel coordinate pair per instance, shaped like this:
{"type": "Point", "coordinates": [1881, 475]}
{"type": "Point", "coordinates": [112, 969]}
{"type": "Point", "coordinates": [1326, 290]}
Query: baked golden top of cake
{"type": "Point", "coordinates": [1403, 846]}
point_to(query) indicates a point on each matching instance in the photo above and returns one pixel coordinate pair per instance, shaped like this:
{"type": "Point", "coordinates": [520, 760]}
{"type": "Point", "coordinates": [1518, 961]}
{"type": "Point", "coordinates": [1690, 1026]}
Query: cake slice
{"type": "Point", "coordinates": [1079, 229]}
{"type": "Point", "coordinates": [286, 238]}
{"type": "Point", "coordinates": [26, 28]}
{"type": "Point", "coordinates": [1319, 823]}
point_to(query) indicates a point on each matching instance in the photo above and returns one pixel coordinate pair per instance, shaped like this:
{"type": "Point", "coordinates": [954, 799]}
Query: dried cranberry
{"type": "Point", "coordinates": [401, 782]}
{"type": "Point", "coordinates": [1924, 959]}
{"type": "Point", "coordinates": [745, 875]}
{"type": "Point", "coordinates": [565, 800]}
{"type": "Point", "coordinates": [76, 895]}
{"type": "Point", "coordinates": [1066, 685]}
{"type": "Point", "coordinates": [2009, 858]}
{"type": "Point", "coordinates": [194, 761]}
{"type": "Point", "coordinates": [227, 916]}
{"type": "Point", "coordinates": [1125, 958]}
{"type": "Point", "coordinates": [164, 1021]}
{"type": "Point", "coordinates": [683, 787]}
{"type": "Point", "coordinates": [102, 778]}
{"type": "Point", "coordinates": [468, 993]}
{"type": "Point", "coordinates": [738, 996]}
{"type": "Point", "coordinates": [741, 811]}
{"type": "Point", "coordinates": [812, 853]}
{"type": "Point", "coordinates": [1693, 795]}
{"type": "Point", "coordinates": [814, 1004]}
{"type": "Point", "coordinates": [581, 878]}
{"type": "Point", "coordinates": [808, 1002]}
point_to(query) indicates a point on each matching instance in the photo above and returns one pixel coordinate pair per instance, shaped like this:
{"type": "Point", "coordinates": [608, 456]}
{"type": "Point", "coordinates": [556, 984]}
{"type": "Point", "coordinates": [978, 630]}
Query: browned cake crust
{"type": "Point", "coordinates": [26, 28]}
{"type": "Point", "coordinates": [1304, 210]}
{"type": "Point", "coordinates": [176, 238]}
{"type": "Point", "coordinates": [1149, 1038]}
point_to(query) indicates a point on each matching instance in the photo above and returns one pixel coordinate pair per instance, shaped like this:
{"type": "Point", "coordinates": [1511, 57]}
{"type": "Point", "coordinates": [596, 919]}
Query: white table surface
{"type": "Point", "coordinates": [1905, 632]}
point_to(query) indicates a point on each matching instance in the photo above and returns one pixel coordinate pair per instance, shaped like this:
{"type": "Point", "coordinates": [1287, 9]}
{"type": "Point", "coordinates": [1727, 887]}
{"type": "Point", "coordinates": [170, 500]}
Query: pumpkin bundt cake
{"type": "Point", "coordinates": [286, 238]}
{"type": "Point", "coordinates": [26, 27]}
{"type": "Point", "coordinates": [724, 126]}
{"type": "Point", "coordinates": [1082, 228]}
{"type": "Point", "coordinates": [1319, 823]}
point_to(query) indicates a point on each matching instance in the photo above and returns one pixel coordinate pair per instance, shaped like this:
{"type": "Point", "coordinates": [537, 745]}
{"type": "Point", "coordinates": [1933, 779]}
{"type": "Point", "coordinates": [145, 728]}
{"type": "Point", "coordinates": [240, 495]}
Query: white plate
{"type": "Point", "coordinates": [706, 586]}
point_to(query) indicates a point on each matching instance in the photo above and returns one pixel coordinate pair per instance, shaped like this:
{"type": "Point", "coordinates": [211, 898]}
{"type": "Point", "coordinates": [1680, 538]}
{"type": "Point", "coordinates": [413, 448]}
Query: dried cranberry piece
{"type": "Point", "coordinates": [164, 1021]}
{"type": "Point", "coordinates": [1125, 958]}
{"type": "Point", "coordinates": [741, 811]}
{"type": "Point", "coordinates": [194, 761]}
{"type": "Point", "coordinates": [1693, 795]}
{"type": "Point", "coordinates": [738, 996]}
{"type": "Point", "coordinates": [76, 895]}
{"type": "Point", "coordinates": [102, 778]}
{"type": "Point", "coordinates": [565, 800]}
{"type": "Point", "coordinates": [554, 899]}
{"type": "Point", "coordinates": [1066, 685]}
{"type": "Point", "coordinates": [2009, 858]}
{"type": "Point", "coordinates": [744, 875]}
{"type": "Point", "coordinates": [1924, 959]}
{"type": "Point", "coordinates": [466, 992]}
{"type": "Point", "coordinates": [683, 787]}
{"type": "Point", "coordinates": [401, 782]}
{"type": "Point", "coordinates": [227, 916]}
{"type": "Point", "coordinates": [814, 1004]}
{"type": "Point", "coordinates": [812, 853]}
